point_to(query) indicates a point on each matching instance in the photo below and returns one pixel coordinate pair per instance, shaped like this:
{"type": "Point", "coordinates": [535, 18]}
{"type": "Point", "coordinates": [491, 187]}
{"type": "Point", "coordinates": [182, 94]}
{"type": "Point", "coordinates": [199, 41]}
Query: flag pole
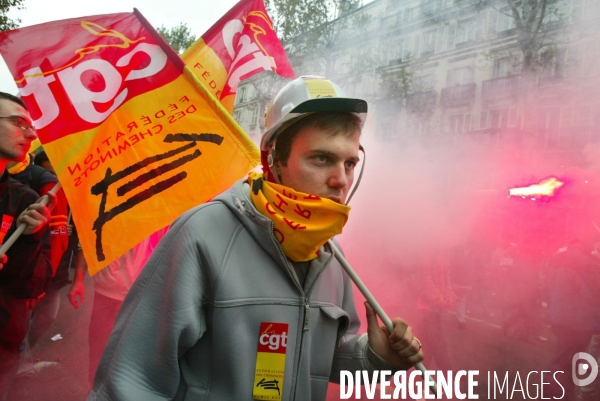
{"type": "Point", "coordinates": [373, 302]}
{"type": "Point", "coordinates": [11, 240]}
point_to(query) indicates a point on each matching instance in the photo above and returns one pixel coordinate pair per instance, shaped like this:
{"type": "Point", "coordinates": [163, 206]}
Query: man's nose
{"type": "Point", "coordinates": [338, 177]}
{"type": "Point", "coordinates": [30, 133]}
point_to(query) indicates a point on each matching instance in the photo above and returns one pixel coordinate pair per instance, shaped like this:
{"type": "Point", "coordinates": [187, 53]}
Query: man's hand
{"type": "Point", "coordinates": [77, 288]}
{"type": "Point", "coordinates": [36, 215]}
{"type": "Point", "coordinates": [400, 348]}
{"type": "Point", "coordinates": [3, 260]}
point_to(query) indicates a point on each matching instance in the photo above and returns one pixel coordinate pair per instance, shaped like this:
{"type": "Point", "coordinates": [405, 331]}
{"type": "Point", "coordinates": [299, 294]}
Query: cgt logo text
{"type": "Point", "coordinates": [402, 386]}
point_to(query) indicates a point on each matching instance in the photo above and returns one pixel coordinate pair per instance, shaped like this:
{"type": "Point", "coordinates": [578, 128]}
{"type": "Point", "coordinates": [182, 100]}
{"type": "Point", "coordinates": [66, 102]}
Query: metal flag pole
{"type": "Point", "coordinates": [11, 240]}
{"type": "Point", "coordinates": [373, 302]}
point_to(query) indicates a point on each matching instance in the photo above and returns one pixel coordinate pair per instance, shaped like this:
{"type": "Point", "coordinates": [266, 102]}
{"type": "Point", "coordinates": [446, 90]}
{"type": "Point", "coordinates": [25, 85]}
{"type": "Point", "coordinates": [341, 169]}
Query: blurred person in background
{"type": "Point", "coordinates": [25, 269]}
{"type": "Point", "coordinates": [462, 267]}
{"type": "Point", "coordinates": [521, 292]}
{"type": "Point", "coordinates": [111, 285]}
{"type": "Point", "coordinates": [436, 298]}
{"type": "Point", "coordinates": [42, 181]}
{"type": "Point", "coordinates": [573, 307]}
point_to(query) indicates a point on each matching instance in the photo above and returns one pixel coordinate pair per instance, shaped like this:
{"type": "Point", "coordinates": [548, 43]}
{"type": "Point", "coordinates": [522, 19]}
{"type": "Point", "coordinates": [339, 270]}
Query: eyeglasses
{"type": "Point", "coordinates": [21, 123]}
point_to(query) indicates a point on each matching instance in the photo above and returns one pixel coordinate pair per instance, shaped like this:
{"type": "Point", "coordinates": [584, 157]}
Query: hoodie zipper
{"type": "Point", "coordinates": [306, 296]}
{"type": "Point", "coordinates": [306, 314]}
{"type": "Point", "coordinates": [305, 328]}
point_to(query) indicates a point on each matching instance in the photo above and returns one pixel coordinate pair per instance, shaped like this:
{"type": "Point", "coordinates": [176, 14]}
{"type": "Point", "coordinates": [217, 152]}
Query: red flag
{"type": "Point", "coordinates": [242, 43]}
{"type": "Point", "coordinates": [134, 138]}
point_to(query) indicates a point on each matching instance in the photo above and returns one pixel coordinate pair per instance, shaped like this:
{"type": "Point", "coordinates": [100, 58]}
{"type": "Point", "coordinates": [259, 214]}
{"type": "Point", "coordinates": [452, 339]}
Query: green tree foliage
{"type": "Point", "coordinates": [537, 26]}
{"type": "Point", "coordinates": [179, 37]}
{"type": "Point", "coordinates": [311, 28]}
{"type": "Point", "coordinates": [5, 22]}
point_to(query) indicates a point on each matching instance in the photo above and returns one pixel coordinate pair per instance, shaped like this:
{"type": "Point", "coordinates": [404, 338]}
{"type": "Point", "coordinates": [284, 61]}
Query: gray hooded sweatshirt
{"type": "Point", "coordinates": [189, 327]}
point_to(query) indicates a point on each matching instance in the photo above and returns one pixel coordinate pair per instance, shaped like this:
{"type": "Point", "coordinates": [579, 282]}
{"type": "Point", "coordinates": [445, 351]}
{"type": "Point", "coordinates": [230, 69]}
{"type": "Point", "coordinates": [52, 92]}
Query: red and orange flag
{"type": "Point", "coordinates": [133, 135]}
{"type": "Point", "coordinates": [242, 43]}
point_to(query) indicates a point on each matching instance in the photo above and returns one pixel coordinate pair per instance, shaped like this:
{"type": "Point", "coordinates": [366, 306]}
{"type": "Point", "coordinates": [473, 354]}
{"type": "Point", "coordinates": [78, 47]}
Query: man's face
{"type": "Point", "coordinates": [14, 141]}
{"type": "Point", "coordinates": [321, 164]}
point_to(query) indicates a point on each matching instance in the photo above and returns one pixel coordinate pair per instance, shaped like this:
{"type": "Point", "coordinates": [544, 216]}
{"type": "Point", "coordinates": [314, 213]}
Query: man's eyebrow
{"type": "Point", "coordinates": [27, 120]}
{"type": "Point", "coordinates": [331, 154]}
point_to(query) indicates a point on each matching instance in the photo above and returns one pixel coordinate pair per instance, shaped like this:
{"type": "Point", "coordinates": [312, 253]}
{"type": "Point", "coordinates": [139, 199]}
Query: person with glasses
{"type": "Point", "coordinates": [25, 269]}
{"type": "Point", "coordinates": [42, 181]}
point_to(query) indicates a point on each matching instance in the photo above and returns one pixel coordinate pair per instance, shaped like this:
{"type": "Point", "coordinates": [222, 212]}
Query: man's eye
{"type": "Point", "coordinates": [321, 158]}
{"type": "Point", "coordinates": [350, 165]}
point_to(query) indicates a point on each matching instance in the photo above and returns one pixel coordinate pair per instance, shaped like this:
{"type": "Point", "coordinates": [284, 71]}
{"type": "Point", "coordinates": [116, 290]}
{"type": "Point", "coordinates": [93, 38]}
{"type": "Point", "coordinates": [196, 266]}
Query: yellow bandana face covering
{"type": "Point", "coordinates": [20, 166]}
{"type": "Point", "coordinates": [302, 223]}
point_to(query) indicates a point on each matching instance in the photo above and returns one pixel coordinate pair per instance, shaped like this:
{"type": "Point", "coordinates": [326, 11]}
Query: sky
{"type": "Point", "coordinates": [199, 15]}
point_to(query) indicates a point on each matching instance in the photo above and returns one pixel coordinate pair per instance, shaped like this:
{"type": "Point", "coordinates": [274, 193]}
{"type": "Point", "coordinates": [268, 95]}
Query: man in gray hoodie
{"type": "Point", "coordinates": [243, 298]}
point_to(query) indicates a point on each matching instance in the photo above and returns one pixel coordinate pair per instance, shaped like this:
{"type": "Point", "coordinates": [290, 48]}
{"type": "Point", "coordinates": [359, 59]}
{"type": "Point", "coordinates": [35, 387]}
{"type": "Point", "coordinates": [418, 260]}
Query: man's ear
{"type": "Point", "coordinates": [276, 169]}
{"type": "Point", "coordinates": [276, 163]}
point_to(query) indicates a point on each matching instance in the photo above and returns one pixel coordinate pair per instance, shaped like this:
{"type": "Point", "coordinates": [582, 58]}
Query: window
{"type": "Point", "coordinates": [483, 120]}
{"type": "Point", "coordinates": [406, 52]}
{"type": "Point", "coordinates": [549, 118]}
{"type": "Point", "coordinates": [431, 6]}
{"type": "Point", "coordinates": [460, 76]}
{"type": "Point", "coordinates": [584, 9]}
{"type": "Point", "coordinates": [386, 131]}
{"type": "Point", "coordinates": [416, 126]}
{"type": "Point", "coordinates": [502, 68]}
{"type": "Point", "coordinates": [505, 21]}
{"type": "Point", "coordinates": [584, 116]}
{"type": "Point", "coordinates": [455, 123]}
{"type": "Point", "coordinates": [493, 119]}
{"type": "Point", "coordinates": [585, 58]}
{"type": "Point", "coordinates": [241, 95]}
{"type": "Point", "coordinates": [429, 41]}
{"type": "Point", "coordinates": [498, 118]}
{"type": "Point", "coordinates": [423, 82]}
{"type": "Point", "coordinates": [450, 36]}
{"type": "Point", "coordinates": [367, 84]}
{"type": "Point", "coordinates": [416, 45]}
{"type": "Point", "coordinates": [411, 14]}
{"type": "Point", "coordinates": [557, 10]}
{"type": "Point", "coordinates": [566, 117]}
{"type": "Point", "coordinates": [254, 116]}
{"type": "Point", "coordinates": [389, 21]}
{"type": "Point", "coordinates": [470, 30]}
{"type": "Point", "coordinates": [467, 122]}
{"type": "Point", "coordinates": [513, 117]}
{"type": "Point", "coordinates": [491, 21]}
{"type": "Point", "coordinates": [553, 62]}
{"type": "Point", "coordinates": [439, 45]}
{"type": "Point", "coordinates": [459, 123]}
{"type": "Point", "coordinates": [396, 50]}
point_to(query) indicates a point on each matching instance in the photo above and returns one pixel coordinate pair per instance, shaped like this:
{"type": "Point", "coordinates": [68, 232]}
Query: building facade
{"type": "Point", "coordinates": [451, 69]}
{"type": "Point", "coordinates": [468, 74]}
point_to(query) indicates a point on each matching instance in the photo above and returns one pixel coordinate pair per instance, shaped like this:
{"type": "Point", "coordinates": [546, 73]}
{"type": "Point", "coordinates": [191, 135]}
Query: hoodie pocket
{"type": "Point", "coordinates": [338, 314]}
{"type": "Point", "coordinates": [195, 394]}
{"type": "Point", "coordinates": [328, 326]}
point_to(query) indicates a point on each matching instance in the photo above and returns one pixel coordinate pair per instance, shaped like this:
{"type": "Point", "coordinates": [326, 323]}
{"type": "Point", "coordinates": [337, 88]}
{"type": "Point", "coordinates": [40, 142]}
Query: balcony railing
{"type": "Point", "coordinates": [501, 87]}
{"type": "Point", "coordinates": [550, 80]}
{"type": "Point", "coordinates": [458, 95]}
{"type": "Point", "coordinates": [421, 100]}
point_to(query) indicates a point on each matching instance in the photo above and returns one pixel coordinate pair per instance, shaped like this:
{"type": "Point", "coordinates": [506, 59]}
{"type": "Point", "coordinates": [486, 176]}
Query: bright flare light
{"type": "Point", "coordinates": [546, 187]}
